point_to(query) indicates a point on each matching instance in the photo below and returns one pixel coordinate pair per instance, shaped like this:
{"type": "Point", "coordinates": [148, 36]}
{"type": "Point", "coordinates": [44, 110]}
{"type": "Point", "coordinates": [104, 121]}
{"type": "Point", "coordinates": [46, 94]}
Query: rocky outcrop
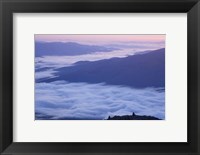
{"type": "Point", "coordinates": [133, 117]}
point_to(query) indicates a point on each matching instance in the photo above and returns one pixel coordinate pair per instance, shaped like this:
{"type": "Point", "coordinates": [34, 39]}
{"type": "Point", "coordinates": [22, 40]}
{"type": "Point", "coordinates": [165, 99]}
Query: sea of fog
{"type": "Point", "coordinates": [63, 100]}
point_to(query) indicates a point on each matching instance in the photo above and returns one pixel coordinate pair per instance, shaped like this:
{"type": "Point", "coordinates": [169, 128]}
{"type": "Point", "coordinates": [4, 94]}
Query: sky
{"type": "Point", "coordinates": [100, 39]}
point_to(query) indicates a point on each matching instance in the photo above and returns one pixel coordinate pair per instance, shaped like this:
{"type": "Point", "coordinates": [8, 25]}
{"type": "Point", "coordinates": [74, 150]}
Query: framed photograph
{"type": "Point", "coordinates": [99, 77]}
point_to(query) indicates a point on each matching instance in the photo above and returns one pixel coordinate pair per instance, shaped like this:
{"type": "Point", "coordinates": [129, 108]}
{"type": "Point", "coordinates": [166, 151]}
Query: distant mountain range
{"type": "Point", "coordinates": [68, 48]}
{"type": "Point", "coordinates": [138, 71]}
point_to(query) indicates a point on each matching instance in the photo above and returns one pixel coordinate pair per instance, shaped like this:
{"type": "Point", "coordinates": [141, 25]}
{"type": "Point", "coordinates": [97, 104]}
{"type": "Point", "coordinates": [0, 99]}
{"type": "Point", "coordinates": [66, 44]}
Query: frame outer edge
{"type": "Point", "coordinates": [198, 50]}
{"type": "Point", "coordinates": [113, 1]}
{"type": "Point", "coordinates": [2, 146]}
{"type": "Point", "coordinates": [5, 79]}
{"type": "Point", "coordinates": [1, 77]}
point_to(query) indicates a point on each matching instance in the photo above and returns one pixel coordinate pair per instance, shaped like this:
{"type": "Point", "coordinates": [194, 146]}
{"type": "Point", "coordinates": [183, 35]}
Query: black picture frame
{"type": "Point", "coordinates": [8, 7]}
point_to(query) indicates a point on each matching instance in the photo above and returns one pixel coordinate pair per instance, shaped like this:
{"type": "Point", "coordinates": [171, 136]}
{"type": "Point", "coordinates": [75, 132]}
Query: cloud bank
{"type": "Point", "coordinates": [62, 100]}
{"type": "Point", "coordinates": [64, 61]}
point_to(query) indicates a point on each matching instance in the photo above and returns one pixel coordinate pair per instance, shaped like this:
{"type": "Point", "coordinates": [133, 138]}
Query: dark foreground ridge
{"type": "Point", "coordinates": [133, 117]}
{"type": "Point", "coordinates": [40, 116]}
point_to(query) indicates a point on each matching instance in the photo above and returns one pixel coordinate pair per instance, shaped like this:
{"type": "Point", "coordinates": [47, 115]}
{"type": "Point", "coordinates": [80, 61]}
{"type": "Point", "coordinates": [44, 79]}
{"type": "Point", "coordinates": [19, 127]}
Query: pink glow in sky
{"type": "Point", "coordinates": [99, 39]}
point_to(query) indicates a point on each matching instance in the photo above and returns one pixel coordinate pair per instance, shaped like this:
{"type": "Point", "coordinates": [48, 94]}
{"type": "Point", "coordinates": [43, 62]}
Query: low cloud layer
{"type": "Point", "coordinates": [62, 100]}
{"type": "Point", "coordinates": [64, 61]}
{"type": "Point", "coordinates": [49, 73]}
